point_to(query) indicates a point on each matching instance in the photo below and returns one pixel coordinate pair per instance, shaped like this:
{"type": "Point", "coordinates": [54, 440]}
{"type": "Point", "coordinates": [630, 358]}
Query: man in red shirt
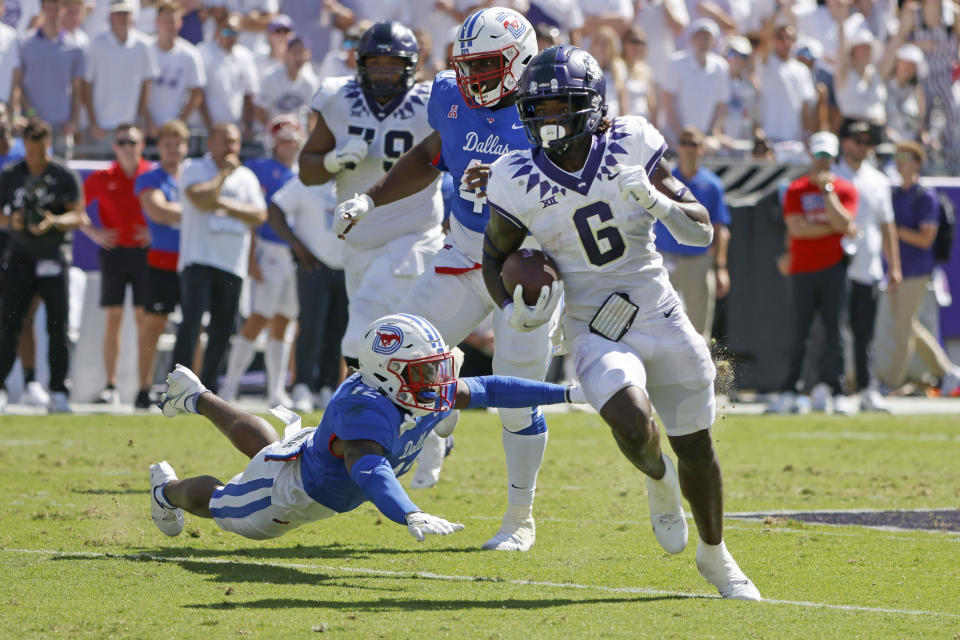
{"type": "Point", "coordinates": [123, 239]}
{"type": "Point", "coordinates": [818, 209]}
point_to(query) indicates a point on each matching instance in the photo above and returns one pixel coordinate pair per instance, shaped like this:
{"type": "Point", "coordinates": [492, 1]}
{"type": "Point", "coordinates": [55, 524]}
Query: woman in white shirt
{"type": "Point", "coordinates": [860, 89]}
{"type": "Point", "coordinates": [639, 85]}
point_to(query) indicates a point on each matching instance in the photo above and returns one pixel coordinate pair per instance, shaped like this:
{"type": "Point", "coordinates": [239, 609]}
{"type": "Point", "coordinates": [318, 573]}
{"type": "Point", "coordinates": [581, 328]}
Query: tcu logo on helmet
{"type": "Point", "coordinates": [511, 24]}
{"type": "Point", "coordinates": [388, 340]}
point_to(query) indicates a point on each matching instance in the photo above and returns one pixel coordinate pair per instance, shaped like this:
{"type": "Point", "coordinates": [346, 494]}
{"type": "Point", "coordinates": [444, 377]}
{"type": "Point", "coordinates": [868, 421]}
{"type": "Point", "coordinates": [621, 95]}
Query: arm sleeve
{"type": "Point", "coordinates": [791, 202]}
{"type": "Point", "coordinates": [144, 181]}
{"type": "Point", "coordinates": [512, 393]}
{"type": "Point", "coordinates": [90, 190]}
{"type": "Point", "coordinates": [375, 477]}
{"type": "Point", "coordinates": [848, 196]}
{"type": "Point", "coordinates": [928, 209]}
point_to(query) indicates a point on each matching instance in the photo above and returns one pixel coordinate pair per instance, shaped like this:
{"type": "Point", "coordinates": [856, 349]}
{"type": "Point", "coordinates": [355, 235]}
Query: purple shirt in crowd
{"type": "Point", "coordinates": [912, 208]}
{"type": "Point", "coordinates": [49, 67]}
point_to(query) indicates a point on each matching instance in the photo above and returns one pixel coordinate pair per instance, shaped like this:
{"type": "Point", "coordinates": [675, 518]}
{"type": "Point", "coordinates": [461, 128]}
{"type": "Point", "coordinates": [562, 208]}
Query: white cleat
{"type": "Point", "coordinates": [168, 520]}
{"type": "Point", "coordinates": [302, 398]}
{"type": "Point", "coordinates": [429, 462]}
{"type": "Point", "coordinates": [59, 403]}
{"type": "Point", "coordinates": [35, 395]}
{"type": "Point", "coordinates": [514, 535]}
{"type": "Point", "coordinates": [782, 403]}
{"type": "Point", "coordinates": [820, 397]}
{"type": "Point", "coordinates": [722, 571]}
{"type": "Point", "coordinates": [183, 389]}
{"type": "Point", "coordinates": [871, 400]}
{"type": "Point", "coordinates": [280, 400]}
{"type": "Point", "coordinates": [666, 509]}
{"type": "Point", "coordinates": [844, 405]}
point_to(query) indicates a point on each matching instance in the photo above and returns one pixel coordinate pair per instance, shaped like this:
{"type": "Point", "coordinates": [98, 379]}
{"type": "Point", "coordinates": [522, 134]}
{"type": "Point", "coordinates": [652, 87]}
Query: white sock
{"type": "Point", "coordinates": [524, 457]}
{"type": "Point", "coordinates": [241, 355]}
{"type": "Point", "coordinates": [711, 552]}
{"type": "Point", "coordinates": [277, 360]}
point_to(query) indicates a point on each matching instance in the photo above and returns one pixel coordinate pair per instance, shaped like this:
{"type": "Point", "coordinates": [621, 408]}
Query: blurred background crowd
{"type": "Point", "coordinates": [135, 81]}
{"type": "Point", "coordinates": [756, 76]}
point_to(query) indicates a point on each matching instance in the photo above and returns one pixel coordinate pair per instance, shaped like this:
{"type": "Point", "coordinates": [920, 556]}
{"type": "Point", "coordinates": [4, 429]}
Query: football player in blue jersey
{"type": "Point", "coordinates": [370, 434]}
{"type": "Point", "coordinates": [591, 191]}
{"type": "Point", "coordinates": [474, 117]}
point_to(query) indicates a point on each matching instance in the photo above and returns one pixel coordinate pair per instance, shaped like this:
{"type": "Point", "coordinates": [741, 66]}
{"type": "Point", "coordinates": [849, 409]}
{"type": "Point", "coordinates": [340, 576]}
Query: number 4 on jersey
{"type": "Point", "coordinates": [470, 195]}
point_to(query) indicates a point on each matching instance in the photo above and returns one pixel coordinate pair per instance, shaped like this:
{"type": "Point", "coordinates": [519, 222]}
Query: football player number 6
{"type": "Point", "coordinates": [602, 244]}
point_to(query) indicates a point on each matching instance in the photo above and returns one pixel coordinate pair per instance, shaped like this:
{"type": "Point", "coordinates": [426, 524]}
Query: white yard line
{"type": "Point", "coordinates": [457, 578]}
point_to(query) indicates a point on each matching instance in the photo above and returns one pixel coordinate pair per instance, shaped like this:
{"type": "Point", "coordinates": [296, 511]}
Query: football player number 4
{"type": "Point", "coordinates": [395, 142]}
{"type": "Point", "coordinates": [603, 244]}
{"type": "Point", "coordinates": [470, 195]}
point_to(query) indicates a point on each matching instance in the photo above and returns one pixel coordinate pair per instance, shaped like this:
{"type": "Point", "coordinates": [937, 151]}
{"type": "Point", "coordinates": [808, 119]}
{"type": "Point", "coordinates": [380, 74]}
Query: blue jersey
{"type": "Point", "coordinates": [163, 237]}
{"type": "Point", "coordinates": [470, 136]}
{"type": "Point", "coordinates": [272, 175]}
{"type": "Point", "coordinates": [359, 412]}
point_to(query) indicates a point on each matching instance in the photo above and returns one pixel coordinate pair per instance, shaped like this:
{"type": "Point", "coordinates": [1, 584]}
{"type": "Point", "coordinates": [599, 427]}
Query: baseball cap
{"type": "Point", "coordinates": [854, 128]}
{"type": "Point", "coordinates": [121, 6]}
{"type": "Point", "coordinates": [280, 21]}
{"type": "Point", "coordinates": [740, 45]}
{"type": "Point", "coordinates": [705, 24]}
{"type": "Point", "coordinates": [824, 142]}
{"type": "Point", "coordinates": [913, 53]}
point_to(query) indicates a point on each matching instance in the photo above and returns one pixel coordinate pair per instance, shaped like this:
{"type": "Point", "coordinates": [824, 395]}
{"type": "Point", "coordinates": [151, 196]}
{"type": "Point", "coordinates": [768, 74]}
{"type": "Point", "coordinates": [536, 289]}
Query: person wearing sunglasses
{"type": "Point", "coordinates": [876, 243]}
{"type": "Point", "coordinates": [232, 77]}
{"type": "Point", "coordinates": [123, 238]}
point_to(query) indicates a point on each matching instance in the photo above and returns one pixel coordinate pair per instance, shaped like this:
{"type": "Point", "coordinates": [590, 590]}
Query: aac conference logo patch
{"type": "Point", "coordinates": [389, 339]}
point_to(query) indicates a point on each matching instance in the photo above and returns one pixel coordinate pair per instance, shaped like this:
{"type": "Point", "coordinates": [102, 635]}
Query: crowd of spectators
{"type": "Point", "coordinates": [750, 75]}
{"type": "Point", "coordinates": [114, 79]}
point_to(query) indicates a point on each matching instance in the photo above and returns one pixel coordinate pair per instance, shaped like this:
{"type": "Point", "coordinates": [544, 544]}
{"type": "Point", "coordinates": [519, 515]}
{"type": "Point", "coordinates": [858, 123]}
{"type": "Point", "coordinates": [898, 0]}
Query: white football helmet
{"type": "Point", "coordinates": [405, 358]}
{"type": "Point", "coordinates": [491, 50]}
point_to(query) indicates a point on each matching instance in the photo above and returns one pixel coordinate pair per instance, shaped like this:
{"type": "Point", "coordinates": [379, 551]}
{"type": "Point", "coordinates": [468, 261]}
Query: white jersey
{"type": "Point", "coordinates": [601, 242]}
{"type": "Point", "coordinates": [390, 132]}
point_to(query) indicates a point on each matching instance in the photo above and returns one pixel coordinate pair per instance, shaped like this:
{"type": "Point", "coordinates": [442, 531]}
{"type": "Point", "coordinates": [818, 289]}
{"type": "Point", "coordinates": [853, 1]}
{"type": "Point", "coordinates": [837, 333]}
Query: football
{"type": "Point", "coordinates": [530, 268]}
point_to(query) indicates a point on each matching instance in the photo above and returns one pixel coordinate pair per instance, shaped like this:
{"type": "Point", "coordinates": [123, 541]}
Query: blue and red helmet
{"type": "Point", "coordinates": [388, 38]}
{"type": "Point", "coordinates": [567, 73]}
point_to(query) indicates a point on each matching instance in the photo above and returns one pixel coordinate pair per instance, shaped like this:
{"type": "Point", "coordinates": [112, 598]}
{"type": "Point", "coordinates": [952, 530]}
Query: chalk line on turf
{"type": "Point", "coordinates": [457, 578]}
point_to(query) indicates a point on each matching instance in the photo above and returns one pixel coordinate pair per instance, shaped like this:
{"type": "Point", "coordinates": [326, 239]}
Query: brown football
{"type": "Point", "coordinates": [530, 268]}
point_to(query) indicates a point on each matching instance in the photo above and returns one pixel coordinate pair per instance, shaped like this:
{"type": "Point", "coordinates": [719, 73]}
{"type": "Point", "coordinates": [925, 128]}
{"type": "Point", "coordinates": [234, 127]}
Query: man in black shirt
{"type": "Point", "coordinates": [41, 201]}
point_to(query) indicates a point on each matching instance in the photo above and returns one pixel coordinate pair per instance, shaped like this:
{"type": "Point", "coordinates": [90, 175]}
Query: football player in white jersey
{"type": "Point", "coordinates": [364, 125]}
{"type": "Point", "coordinates": [472, 111]}
{"type": "Point", "coordinates": [590, 191]}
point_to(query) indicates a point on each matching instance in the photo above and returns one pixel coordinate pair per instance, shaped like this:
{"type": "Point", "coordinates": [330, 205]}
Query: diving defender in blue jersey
{"type": "Point", "coordinates": [370, 434]}
{"type": "Point", "coordinates": [473, 113]}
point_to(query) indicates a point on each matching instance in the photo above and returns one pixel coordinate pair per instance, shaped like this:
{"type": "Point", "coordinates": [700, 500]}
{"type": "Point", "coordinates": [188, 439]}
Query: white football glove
{"type": "Point", "coordinates": [351, 212]}
{"type": "Point", "coordinates": [635, 183]}
{"type": "Point", "coordinates": [346, 157]}
{"type": "Point", "coordinates": [421, 524]}
{"type": "Point", "coordinates": [526, 318]}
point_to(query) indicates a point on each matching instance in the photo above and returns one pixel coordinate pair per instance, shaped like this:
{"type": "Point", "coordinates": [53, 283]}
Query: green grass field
{"type": "Point", "coordinates": [81, 558]}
